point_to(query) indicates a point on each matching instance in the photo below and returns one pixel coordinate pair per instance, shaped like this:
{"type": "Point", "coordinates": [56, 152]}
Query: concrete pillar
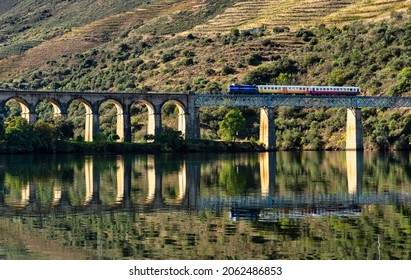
{"type": "Point", "coordinates": [92, 125]}
{"type": "Point", "coordinates": [120, 127]}
{"type": "Point", "coordinates": [88, 131]}
{"type": "Point", "coordinates": [354, 139]}
{"type": "Point", "coordinates": [56, 110]}
{"type": "Point", "coordinates": [31, 117]}
{"type": "Point", "coordinates": [267, 128]}
{"type": "Point", "coordinates": [123, 129]}
{"type": "Point", "coordinates": [154, 125]}
{"type": "Point", "coordinates": [25, 113]}
{"type": "Point", "coordinates": [182, 122]}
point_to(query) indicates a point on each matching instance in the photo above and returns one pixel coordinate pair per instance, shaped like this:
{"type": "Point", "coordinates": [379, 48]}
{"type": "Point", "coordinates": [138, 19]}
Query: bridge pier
{"type": "Point", "coordinates": [192, 124]}
{"type": "Point", "coordinates": [354, 138]}
{"type": "Point", "coordinates": [126, 127]}
{"type": "Point", "coordinates": [92, 126]}
{"type": "Point", "coordinates": [267, 128]}
{"type": "Point", "coordinates": [120, 129]}
{"type": "Point", "coordinates": [154, 124]}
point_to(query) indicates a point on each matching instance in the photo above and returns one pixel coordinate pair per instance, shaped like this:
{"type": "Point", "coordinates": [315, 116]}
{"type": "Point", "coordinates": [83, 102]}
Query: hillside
{"type": "Point", "coordinates": [203, 45]}
{"type": "Point", "coordinates": [33, 33]}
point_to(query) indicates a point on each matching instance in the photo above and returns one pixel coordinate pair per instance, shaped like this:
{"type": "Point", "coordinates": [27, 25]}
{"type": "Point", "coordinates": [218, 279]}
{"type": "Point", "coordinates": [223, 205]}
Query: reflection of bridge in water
{"type": "Point", "coordinates": [189, 197]}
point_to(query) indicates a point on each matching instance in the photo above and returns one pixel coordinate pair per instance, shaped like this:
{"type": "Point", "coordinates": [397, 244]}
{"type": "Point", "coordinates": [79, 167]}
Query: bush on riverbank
{"type": "Point", "coordinates": [18, 136]}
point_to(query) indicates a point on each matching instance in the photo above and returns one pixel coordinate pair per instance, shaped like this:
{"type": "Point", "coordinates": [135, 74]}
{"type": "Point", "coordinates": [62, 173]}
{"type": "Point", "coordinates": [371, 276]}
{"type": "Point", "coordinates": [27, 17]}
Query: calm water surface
{"type": "Point", "coordinates": [284, 205]}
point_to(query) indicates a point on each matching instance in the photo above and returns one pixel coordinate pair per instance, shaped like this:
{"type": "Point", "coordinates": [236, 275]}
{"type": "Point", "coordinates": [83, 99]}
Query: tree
{"type": "Point", "coordinates": [64, 128]}
{"type": "Point", "coordinates": [231, 125]}
{"type": "Point", "coordinates": [45, 135]}
{"type": "Point", "coordinates": [19, 135]}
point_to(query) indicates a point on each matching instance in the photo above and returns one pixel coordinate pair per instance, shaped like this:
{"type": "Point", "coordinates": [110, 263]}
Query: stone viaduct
{"type": "Point", "coordinates": [188, 119]}
{"type": "Point", "coordinates": [188, 105]}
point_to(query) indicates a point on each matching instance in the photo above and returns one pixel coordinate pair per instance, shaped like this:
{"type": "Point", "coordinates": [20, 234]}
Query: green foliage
{"type": "Point", "coordinates": [373, 55]}
{"type": "Point", "coordinates": [19, 136]}
{"type": "Point", "coordinates": [254, 59]}
{"type": "Point", "coordinates": [171, 139]}
{"type": "Point", "coordinates": [64, 128]}
{"type": "Point", "coordinates": [403, 84]}
{"type": "Point", "coordinates": [284, 79]}
{"type": "Point", "coordinates": [267, 73]}
{"type": "Point", "coordinates": [227, 70]}
{"type": "Point", "coordinates": [232, 124]}
{"type": "Point", "coordinates": [338, 77]}
{"type": "Point", "coordinates": [46, 136]}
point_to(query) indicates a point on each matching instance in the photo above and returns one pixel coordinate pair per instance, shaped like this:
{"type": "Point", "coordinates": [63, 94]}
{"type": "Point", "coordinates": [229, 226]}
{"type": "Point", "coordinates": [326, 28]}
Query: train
{"type": "Point", "coordinates": [280, 89]}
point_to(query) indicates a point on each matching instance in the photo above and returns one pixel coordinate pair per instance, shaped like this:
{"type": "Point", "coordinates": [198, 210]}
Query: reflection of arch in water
{"type": "Point", "coordinates": [155, 184]}
{"type": "Point", "coordinates": [267, 173]}
{"type": "Point", "coordinates": [23, 199]}
{"type": "Point", "coordinates": [88, 173]}
{"type": "Point", "coordinates": [57, 194]}
{"type": "Point", "coordinates": [152, 179]}
{"type": "Point", "coordinates": [355, 166]}
{"type": "Point", "coordinates": [25, 195]}
{"type": "Point", "coordinates": [182, 183]}
{"type": "Point", "coordinates": [120, 174]}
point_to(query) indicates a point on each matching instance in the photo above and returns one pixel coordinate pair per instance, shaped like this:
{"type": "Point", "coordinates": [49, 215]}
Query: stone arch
{"type": "Point", "coordinates": [91, 119]}
{"type": "Point", "coordinates": [181, 118]}
{"type": "Point", "coordinates": [55, 106]}
{"type": "Point", "coordinates": [120, 118]}
{"type": "Point", "coordinates": [153, 118]}
{"type": "Point", "coordinates": [26, 111]}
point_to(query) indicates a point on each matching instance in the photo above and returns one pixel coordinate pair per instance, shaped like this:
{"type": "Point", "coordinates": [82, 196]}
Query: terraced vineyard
{"type": "Point", "coordinates": [367, 10]}
{"type": "Point", "coordinates": [87, 37]}
{"type": "Point", "coordinates": [298, 13]}
{"type": "Point", "coordinates": [24, 50]}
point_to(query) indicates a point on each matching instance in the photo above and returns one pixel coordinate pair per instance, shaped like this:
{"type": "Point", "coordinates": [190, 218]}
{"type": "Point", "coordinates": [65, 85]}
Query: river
{"type": "Point", "coordinates": [260, 206]}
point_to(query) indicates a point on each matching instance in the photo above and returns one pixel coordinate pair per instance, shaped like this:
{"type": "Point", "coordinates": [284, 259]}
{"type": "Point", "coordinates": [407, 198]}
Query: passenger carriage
{"type": "Point", "coordinates": [335, 90]}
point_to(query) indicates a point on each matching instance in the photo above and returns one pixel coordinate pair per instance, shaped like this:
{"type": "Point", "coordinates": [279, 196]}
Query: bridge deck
{"type": "Point", "coordinates": [267, 100]}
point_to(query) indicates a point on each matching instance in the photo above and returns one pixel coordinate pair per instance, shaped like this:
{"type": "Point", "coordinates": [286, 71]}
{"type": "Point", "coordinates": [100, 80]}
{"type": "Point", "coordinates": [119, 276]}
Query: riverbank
{"type": "Point", "coordinates": [159, 147]}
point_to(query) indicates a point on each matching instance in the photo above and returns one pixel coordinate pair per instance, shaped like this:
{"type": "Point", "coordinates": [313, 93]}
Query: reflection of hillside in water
{"type": "Point", "coordinates": [288, 181]}
{"type": "Point", "coordinates": [285, 205]}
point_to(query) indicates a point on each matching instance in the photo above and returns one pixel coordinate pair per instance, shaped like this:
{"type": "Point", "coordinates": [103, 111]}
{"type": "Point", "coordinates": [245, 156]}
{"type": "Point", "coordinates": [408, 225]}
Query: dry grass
{"type": "Point", "coordinates": [87, 37]}
{"type": "Point", "coordinates": [243, 14]}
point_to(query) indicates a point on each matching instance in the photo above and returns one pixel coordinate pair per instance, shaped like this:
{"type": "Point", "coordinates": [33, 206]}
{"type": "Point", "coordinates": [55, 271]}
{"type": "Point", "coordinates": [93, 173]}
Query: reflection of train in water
{"type": "Point", "coordinates": [278, 89]}
{"type": "Point", "coordinates": [271, 214]}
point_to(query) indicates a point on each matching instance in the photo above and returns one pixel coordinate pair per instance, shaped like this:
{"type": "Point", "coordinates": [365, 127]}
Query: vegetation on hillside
{"type": "Point", "coordinates": [162, 54]}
